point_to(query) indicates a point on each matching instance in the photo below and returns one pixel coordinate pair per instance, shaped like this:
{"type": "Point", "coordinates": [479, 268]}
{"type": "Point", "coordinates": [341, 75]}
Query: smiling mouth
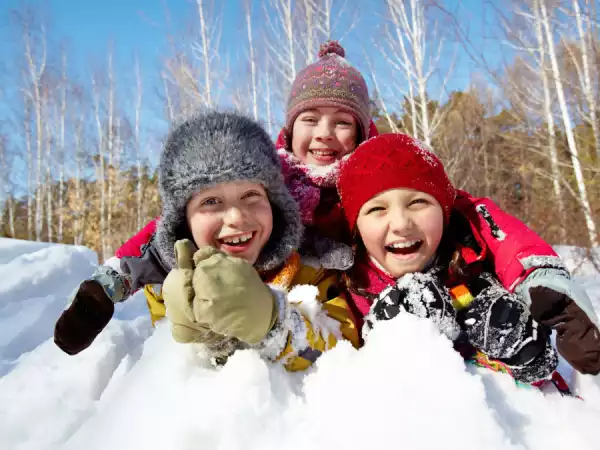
{"type": "Point", "coordinates": [325, 154]}
{"type": "Point", "coordinates": [404, 248]}
{"type": "Point", "coordinates": [241, 240]}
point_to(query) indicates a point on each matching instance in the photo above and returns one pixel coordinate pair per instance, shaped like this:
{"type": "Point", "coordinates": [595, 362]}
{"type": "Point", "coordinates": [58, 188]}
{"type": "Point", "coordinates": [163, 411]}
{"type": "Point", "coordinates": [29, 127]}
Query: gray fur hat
{"type": "Point", "coordinates": [216, 147]}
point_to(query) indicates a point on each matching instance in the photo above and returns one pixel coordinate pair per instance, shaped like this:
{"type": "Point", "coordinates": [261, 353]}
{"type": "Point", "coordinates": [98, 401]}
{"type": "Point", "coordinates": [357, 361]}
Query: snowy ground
{"type": "Point", "coordinates": [134, 388]}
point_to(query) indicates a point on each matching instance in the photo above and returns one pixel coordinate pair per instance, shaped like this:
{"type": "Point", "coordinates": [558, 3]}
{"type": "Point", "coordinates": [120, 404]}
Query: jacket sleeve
{"type": "Point", "coordinates": [514, 249]}
{"type": "Point", "coordinates": [133, 246]}
{"type": "Point", "coordinates": [522, 260]}
{"type": "Point", "coordinates": [312, 319]}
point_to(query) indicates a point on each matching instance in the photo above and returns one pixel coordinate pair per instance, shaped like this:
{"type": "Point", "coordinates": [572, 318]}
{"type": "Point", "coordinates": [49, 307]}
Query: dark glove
{"type": "Point", "coordinates": [421, 294]}
{"type": "Point", "coordinates": [499, 324]}
{"type": "Point", "coordinates": [87, 316]}
{"type": "Point", "coordinates": [577, 338]}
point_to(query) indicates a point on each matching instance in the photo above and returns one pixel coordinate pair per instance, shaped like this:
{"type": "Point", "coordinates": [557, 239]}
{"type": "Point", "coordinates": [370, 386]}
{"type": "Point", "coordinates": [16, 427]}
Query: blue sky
{"type": "Point", "coordinates": [141, 27]}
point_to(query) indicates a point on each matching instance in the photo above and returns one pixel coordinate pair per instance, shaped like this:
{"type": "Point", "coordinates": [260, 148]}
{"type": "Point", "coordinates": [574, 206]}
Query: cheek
{"type": "Point", "coordinates": [203, 228]}
{"type": "Point", "coordinates": [348, 140]}
{"type": "Point", "coordinates": [301, 138]}
{"type": "Point", "coordinates": [432, 225]}
{"type": "Point", "coordinates": [372, 235]}
{"type": "Point", "coordinates": [263, 214]}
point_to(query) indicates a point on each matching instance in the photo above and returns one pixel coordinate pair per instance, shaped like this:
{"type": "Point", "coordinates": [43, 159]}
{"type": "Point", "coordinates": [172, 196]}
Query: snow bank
{"type": "Point", "coordinates": [138, 389]}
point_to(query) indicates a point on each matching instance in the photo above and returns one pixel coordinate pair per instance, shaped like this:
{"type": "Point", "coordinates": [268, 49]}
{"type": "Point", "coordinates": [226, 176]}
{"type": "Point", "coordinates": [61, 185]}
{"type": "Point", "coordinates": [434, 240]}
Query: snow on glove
{"type": "Point", "coordinates": [421, 294]}
{"type": "Point", "coordinates": [577, 338]}
{"type": "Point", "coordinates": [499, 324]}
{"type": "Point", "coordinates": [86, 317]}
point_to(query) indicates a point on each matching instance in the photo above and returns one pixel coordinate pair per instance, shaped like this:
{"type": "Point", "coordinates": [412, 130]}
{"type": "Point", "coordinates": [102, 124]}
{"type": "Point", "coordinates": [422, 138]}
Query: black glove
{"type": "Point", "coordinates": [87, 316]}
{"type": "Point", "coordinates": [500, 325]}
{"type": "Point", "coordinates": [577, 338]}
{"type": "Point", "coordinates": [421, 294]}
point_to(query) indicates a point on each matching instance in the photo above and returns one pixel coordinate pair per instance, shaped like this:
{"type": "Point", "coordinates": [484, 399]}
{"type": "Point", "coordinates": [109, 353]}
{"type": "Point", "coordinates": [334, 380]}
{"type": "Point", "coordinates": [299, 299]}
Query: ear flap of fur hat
{"type": "Point", "coordinates": [217, 147]}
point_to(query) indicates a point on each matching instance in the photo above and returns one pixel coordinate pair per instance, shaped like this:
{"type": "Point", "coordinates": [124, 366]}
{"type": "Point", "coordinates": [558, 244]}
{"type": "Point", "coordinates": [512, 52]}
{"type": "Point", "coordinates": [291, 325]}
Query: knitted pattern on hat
{"type": "Point", "coordinates": [392, 161]}
{"type": "Point", "coordinates": [218, 147]}
{"type": "Point", "coordinates": [330, 82]}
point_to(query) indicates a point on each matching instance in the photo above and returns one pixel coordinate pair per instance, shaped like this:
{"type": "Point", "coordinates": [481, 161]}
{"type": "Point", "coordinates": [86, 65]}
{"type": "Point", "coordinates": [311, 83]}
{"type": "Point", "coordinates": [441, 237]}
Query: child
{"type": "Point", "coordinates": [419, 250]}
{"type": "Point", "coordinates": [326, 118]}
{"type": "Point", "coordinates": [222, 191]}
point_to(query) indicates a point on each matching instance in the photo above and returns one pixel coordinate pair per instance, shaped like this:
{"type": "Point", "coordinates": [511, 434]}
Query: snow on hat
{"type": "Point", "coordinates": [218, 147]}
{"type": "Point", "coordinates": [391, 161]}
{"type": "Point", "coordinates": [331, 81]}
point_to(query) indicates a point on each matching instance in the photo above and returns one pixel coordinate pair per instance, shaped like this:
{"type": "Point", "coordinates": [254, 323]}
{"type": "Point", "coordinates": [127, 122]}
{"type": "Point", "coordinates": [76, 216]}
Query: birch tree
{"type": "Point", "coordinates": [35, 57]}
{"type": "Point", "coordinates": [138, 143]}
{"type": "Point", "coordinates": [410, 48]}
{"type": "Point", "coordinates": [566, 118]}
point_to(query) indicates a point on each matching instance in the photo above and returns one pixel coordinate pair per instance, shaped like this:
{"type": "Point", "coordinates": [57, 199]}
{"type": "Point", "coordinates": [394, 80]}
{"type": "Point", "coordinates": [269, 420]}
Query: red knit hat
{"type": "Point", "coordinates": [391, 161]}
{"type": "Point", "coordinates": [331, 81]}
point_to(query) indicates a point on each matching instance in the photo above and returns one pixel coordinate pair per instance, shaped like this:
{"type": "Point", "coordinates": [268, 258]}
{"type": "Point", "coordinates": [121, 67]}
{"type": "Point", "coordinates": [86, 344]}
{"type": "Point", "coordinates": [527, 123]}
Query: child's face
{"type": "Point", "coordinates": [234, 217]}
{"type": "Point", "coordinates": [321, 136]}
{"type": "Point", "coordinates": [401, 229]}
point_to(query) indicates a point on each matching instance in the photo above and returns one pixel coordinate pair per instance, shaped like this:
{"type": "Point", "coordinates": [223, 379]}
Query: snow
{"type": "Point", "coordinates": [135, 388]}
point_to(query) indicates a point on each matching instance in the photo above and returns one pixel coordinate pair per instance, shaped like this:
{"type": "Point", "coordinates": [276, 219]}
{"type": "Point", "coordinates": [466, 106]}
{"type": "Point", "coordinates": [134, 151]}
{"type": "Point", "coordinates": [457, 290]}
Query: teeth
{"type": "Point", "coordinates": [323, 152]}
{"type": "Point", "coordinates": [238, 239]}
{"type": "Point", "coordinates": [404, 244]}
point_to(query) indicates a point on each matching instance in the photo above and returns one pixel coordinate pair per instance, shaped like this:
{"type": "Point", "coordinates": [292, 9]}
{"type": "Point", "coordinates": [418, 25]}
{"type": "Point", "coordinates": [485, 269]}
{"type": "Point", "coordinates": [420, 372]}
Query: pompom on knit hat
{"type": "Point", "coordinates": [218, 147]}
{"type": "Point", "coordinates": [330, 82]}
{"type": "Point", "coordinates": [391, 161]}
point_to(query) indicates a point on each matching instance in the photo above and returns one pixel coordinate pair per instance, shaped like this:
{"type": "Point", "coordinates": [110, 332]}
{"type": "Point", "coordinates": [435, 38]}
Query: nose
{"type": "Point", "coordinates": [400, 221]}
{"type": "Point", "coordinates": [234, 216]}
{"type": "Point", "coordinates": [324, 131]}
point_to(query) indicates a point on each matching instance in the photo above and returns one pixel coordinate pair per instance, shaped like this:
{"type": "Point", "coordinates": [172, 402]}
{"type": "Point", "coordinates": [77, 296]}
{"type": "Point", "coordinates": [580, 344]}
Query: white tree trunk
{"type": "Point", "coordinates": [206, 57]}
{"type": "Point", "coordinates": [48, 183]}
{"type": "Point", "coordinates": [101, 170]}
{"type": "Point", "coordinates": [110, 153]}
{"type": "Point", "coordinates": [138, 143]}
{"type": "Point", "coordinates": [587, 211]}
{"type": "Point", "coordinates": [252, 60]}
{"type": "Point", "coordinates": [29, 151]}
{"type": "Point", "coordinates": [61, 143]}
{"type": "Point", "coordinates": [553, 154]}
{"type": "Point", "coordinates": [586, 82]}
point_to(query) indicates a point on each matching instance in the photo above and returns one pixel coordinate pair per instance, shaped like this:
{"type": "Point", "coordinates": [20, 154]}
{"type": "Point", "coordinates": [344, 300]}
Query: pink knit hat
{"type": "Point", "coordinates": [331, 81]}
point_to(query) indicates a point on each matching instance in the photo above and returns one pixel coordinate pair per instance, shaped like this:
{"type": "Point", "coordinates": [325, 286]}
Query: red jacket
{"type": "Point", "coordinates": [506, 244]}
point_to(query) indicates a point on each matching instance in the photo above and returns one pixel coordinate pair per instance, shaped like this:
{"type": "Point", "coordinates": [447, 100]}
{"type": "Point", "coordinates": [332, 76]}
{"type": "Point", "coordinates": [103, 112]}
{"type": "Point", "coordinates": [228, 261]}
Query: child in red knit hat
{"type": "Point", "coordinates": [419, 249]}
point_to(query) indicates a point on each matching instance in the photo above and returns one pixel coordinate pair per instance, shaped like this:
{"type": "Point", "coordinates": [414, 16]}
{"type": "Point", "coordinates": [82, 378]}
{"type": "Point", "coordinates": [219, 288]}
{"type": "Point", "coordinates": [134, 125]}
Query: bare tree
{"type": "Point", "coordinates": [36, 67]}
{"type": "Point", "coordinates": [587, 70]}
{"type": "Point", "coordinates": [406, 49]}
{"type": "Point", "coordinates": [281, 40]}
{"type": "Point", "coordinates": [252, 59]}
{"type": "Point", "coordinates": [568, 128]}
{"type": "Point", "coordinates": [61, 145]}
{"type": "Point", "coordinates": [100, 166]}
{"type": "Point", "coordinates": [529, 96]}
{"type": "Point", "coordinates": [138, 144]}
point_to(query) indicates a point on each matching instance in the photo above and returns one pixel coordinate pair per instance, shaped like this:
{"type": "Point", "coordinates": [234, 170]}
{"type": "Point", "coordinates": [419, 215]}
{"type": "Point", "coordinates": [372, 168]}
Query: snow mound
{"type": "Point", "coordinates": [135, 388]}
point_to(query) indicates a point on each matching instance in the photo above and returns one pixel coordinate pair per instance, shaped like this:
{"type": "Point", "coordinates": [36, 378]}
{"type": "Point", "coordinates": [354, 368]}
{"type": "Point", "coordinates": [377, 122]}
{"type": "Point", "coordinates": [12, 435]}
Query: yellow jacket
{"type": "Point", "coordinates": [314, 314]}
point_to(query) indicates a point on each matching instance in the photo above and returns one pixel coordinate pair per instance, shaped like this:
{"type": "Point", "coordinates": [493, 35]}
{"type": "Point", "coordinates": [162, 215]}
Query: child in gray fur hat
{"type": "Point", "coordinates": [222, 190]}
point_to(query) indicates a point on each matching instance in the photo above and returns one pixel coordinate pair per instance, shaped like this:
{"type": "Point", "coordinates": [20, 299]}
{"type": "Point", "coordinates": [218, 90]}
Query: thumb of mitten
{"type": "Point", "coordinates": [184, 252]}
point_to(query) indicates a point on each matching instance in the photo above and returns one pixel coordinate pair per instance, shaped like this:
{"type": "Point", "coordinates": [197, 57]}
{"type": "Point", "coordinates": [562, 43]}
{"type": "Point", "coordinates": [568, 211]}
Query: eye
{"type": "Point", "coordinates": [211, 201]}
{"type": "Point", "coordinates": [374, 209]}
{"type": "Point", "coordinates": [251, 194]}
{"type": "Point", "coordinates": [419, 201]}
{"type": "Point", "coordinates": [309, 119]}
{"type": "Point", "coordinates": [344, 123]}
